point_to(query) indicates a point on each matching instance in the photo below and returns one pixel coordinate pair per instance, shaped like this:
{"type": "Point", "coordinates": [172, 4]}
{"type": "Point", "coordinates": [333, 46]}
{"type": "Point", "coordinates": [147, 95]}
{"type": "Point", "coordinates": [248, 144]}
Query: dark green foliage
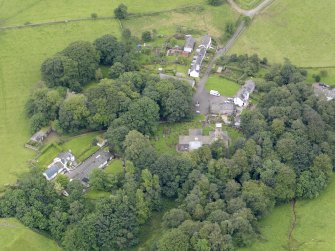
{"type": "Point", "coordinates": [177, 107]}
{"type": "Point", "coordinates": [172, 171]}
{"type": "Point", "coordinates": [173, 240]}
{"type": "Point", "coordinates": [110, 49]}
{"type": "Point", "coordinates": [60, 71]}
{"type": "Point", "coordinates": [142, 115]}
{"type": "Point", "coordinates": [146, 36]}
{"type": "Point", "coordinates": [139, 150]}
{"type": "Point", "coordinates": [121, 11]}
{"type": "Point", "coordinates": [215, 2]}
{"type": "Point", "coordinates": [116, 70]}
{"type": "Point", "coordinates": [73, 113]}
{"type": "Point", "coordinates": [86, 57]}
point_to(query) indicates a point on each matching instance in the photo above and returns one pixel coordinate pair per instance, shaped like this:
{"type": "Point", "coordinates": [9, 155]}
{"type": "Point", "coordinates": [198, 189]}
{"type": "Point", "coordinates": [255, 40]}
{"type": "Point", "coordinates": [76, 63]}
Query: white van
{"type": "Point", "coordinates": [214, 93]}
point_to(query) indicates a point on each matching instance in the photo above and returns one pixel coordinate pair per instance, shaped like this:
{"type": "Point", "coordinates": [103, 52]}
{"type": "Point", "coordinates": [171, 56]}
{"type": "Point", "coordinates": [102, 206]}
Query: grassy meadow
{"type": "Point", "coordinates": [224, 86]}
{"type": "Point", "coordinates": [301, 31]}
{"type": "Point", "coordinates": [14, 236]}
{"type": "Point", "coordinates": [17, 12]}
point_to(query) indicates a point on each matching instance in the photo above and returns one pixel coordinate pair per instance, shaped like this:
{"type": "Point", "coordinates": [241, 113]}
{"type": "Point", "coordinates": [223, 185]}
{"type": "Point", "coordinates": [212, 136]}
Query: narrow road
{"type": "Point", "coordinates": [202, 96]}
{"type": "Point", "coordinates": [250, 13]}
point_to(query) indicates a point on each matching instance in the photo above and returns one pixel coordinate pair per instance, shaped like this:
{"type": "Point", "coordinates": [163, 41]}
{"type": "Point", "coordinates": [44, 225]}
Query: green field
{"type": "Point", "coordinates": [301, 31]}
{"type": "Point", "coordinates": [314, 230]}
{"type": "Point", "coordinates": [14, 237]}
{"type": "Point", "coordinates": [224, 86]}
{"type": "Point", "coordinates": [19, 11]}
{"type": "Point", "coordinates": [248, 4]}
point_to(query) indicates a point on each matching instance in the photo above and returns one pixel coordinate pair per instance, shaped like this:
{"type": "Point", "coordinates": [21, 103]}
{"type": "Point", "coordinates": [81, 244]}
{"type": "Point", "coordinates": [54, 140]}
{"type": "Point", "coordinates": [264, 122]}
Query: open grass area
{"type": "Point", "coordinates": [224, 86]}
{"type": "Point", "coordinates": [301, 31]}
{"type": "Point", "coordinates": [314, 230]}
{"type": "Point", "coordinates": [14, 236]}
{"type": "Point", "coordinates": [248, 4]}
{"type": "Point", "coordinates": [114, 167]}
{"type": "Point", "coordinates": [81, 146]}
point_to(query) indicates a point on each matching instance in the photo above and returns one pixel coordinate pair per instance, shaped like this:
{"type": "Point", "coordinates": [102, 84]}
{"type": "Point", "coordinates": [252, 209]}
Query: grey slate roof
{"type": "Point", "coordinates": [246, 89]}
{"type": "Point", "coordinates": [189, 42]}
{"type": "Point", "coordinates": [196, 63]}
{"type": "Point", "coordinates": [206, 40]}
{"type": "Point", "coordinates": [83, 171]}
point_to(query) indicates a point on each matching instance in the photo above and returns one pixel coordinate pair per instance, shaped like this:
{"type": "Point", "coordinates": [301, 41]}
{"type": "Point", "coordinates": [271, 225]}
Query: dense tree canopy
{"type": "Point", "coordinates": [86, 57]}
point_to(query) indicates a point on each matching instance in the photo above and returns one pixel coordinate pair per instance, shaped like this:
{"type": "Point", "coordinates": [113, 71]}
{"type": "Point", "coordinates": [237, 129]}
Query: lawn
{"type": "Point", "coordinates": [248, 4]}
{"type": "Point", "coordinates": [314, 230]}
{"type": "Point", "coordinates": [14, 236]}
{"type": "Point", "coordinates": [224, 86]}
{"type": "Point", "coordinates": [81, 146]}
{"type": "Point", "coordinates": [114, 167]}
{"type": "Point", "coordinates": [301, 31]}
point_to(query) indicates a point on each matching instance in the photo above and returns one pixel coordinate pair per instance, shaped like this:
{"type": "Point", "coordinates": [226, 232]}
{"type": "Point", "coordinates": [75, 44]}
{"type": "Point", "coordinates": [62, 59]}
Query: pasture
{"type": "Point", "coordinates": [15, 236]}
{"type": "Point", "coordinates": [17, 12]}
{"type": "Point", "coordinates": [301, 31]}
{"type": "Point", "coordinates": [224, 86]}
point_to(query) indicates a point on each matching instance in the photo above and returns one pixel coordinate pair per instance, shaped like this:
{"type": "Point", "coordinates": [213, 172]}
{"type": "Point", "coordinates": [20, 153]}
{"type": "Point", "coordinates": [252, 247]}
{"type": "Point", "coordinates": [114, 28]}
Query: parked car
{"type": "Point", "coordinates": [197, 104]}
{"type": "Point", "coordinates": [214, 93]}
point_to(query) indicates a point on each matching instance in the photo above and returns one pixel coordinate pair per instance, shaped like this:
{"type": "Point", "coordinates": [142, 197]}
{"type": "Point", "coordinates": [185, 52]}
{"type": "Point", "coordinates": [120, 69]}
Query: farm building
{"type": "Point", "coordinates": [196, 139]}
{"type": "Point", "coordinates": [189, 44]}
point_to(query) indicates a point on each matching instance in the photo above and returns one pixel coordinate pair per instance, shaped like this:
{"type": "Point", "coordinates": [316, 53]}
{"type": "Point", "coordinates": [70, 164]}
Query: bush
{"type": "Point", "coordinates": [215, 2]}
{"type": "Point", "coordinates": [94, 15]}
{"type": "Point", "coordinates": [146, 36]}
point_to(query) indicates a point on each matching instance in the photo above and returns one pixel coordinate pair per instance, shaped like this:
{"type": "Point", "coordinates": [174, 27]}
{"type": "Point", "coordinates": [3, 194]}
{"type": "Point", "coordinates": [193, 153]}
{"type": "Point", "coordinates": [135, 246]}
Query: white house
{"type": "Point", "coordinates": [60, 164]}
{"type": "Point", "coordinates": [242, 97]}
